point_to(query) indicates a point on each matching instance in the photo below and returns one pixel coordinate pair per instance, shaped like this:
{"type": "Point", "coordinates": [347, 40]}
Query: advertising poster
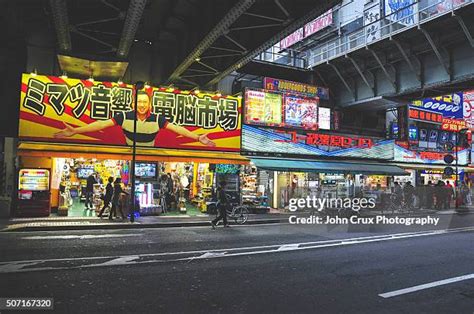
{"type": "Point", "coordinates": [301, 112]}
{"type": "Point", "coordinates": [324, 118]}
{"type": "Point", "coordinates": [263, 108]}
{"type": "Point", "coordinates": [402, 11]}
{"type": "Point", "coordinates": [53, 109]}
{"type": "Point", "coordinates": [468, 107]}
{"type": "Point", "coordinates": [268, 141]}
{"type": "Point", "coordinates": [450, 106]}
{"type": "Point", "coordinates": [318, 23]}
{"type": "Point", "coordinates": [403, 154]}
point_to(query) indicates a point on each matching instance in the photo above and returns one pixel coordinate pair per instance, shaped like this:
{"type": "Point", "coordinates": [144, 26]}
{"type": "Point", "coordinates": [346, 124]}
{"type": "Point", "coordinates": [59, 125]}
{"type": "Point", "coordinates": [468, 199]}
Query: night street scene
{"type": "Point", "coordinates": [237, 156]}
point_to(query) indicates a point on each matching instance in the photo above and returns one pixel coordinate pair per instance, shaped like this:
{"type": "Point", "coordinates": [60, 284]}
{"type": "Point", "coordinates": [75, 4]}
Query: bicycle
{"type": "Point", "coordinates": [239, 213]}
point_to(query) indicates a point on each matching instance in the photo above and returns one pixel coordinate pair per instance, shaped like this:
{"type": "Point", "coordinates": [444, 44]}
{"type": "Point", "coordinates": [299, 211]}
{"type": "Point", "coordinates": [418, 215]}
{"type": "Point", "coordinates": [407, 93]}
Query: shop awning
{"type": "Point", "coordinates": [328, 167]}
{"type": "Point", "coordinates": [36, 149]}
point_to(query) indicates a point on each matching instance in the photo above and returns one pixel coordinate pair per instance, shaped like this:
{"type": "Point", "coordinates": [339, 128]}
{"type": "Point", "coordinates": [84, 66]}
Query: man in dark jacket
{"type": "Point", "coordinates": [409, 193]}
{"type": "Point", "coordinates": [222, 203]}
{"type": "Point", "coordinates": [91, 180]}
{"type": "Point", "coordinates": [109, 191]}
{"type": "Point", "coordinates": [116, 199]}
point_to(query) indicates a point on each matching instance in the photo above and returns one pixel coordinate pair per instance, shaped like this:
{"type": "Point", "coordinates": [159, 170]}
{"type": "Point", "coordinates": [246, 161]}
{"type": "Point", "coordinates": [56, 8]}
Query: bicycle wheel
{"type": "Point", "coordinates": [241, 215]}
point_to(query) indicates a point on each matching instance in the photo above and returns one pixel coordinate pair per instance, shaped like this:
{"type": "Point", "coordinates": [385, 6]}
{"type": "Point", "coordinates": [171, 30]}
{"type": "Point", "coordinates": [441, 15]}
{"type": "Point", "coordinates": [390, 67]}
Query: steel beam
{"type": "Point", "coordinates": [342, 79]}
{"type": "Point", "coordinates": [223, 25]}
{"type": "Point", "coordinates": [364, 78]}
{"type": "Point", "coordinates": [235, 42]}
{"type": "Point", "coordinates": [465, 29]}
{"type": "Point", "coordinates": [188, 81]}
{"type": "Point", "coordinates": [75, 30]}
{"type": "Point", "coordinates": [254, 27]}
{"type": "Point", "coordinates": [264, 17]}
{"type": "Point", "coordinates": [384, 70]}
{"type": "Point", "coordinates": [225, 49]}
{"type": "Point", "coordinates": [282, 8]}
{"type": "Point", "coordinates": [208, 66]}
{"type": "Point", "coordinates": [317, 11]}
{"type": "Point", "coordinates": [436, 51]}
{"type": "Point", "coordinates": [134, 15]}
{"type": "Point", "coordinates": [61, 24]}
{"type": "Point", "coordinates": [222, 56]}
{"type": "Point", "coordinates": [407, 59]}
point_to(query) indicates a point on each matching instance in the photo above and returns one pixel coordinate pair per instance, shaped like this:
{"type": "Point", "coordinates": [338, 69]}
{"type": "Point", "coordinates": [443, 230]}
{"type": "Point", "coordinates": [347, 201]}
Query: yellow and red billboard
{"type": "Point", "coordinates": [55, 109]}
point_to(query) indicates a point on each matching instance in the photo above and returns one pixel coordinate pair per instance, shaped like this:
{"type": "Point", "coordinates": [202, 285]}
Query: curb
{"type": "Point", "coordinates": [110, 226]}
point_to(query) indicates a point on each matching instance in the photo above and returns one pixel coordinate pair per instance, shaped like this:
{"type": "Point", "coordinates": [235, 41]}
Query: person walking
{"type": "Point", "coordinates": [409, 192]}
{"type": "Point", "coordinates": [116, 199]}
{"type": "Point", "coordinates": [91, 180]}
{"type": "Point", "coordinates": [440, 193]}
{"type": "Point", "coordinates": [429, 195]}
{"type": "Point", "coordinates": [397, 190]}
{"type": "Point", "coordinates": [109, 192]}
{"type": "Point", "coordinates": [449, 194]}
{"type": "Point", "coordinates": [464, 193]}
{"type": "Point", "coordinates": [222, 203]}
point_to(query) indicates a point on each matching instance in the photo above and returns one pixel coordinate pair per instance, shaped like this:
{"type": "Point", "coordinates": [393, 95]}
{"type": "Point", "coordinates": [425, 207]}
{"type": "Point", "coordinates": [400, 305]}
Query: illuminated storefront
{"type": "Point", "coordinates": [71, 126]}
{"type": "Point", "coordinates": [297, 153]}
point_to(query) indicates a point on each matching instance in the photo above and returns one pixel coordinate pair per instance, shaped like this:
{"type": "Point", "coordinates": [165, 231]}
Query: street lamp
{"type": "Point", "coordinates": [138, 86]}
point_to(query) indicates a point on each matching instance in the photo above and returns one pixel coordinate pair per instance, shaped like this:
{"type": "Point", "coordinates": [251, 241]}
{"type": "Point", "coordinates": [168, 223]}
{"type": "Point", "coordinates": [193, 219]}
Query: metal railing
{"type": "Point", "coordinates": [286, 59]}
{"type": "Point", "coordinates": [399, 21]}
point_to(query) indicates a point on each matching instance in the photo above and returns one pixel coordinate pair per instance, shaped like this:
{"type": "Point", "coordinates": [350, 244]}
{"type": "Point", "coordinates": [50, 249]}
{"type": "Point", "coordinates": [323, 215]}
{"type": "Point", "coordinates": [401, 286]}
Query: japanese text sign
{"type": "Point", "coordinates": [425, 116]}
{"type": "Point", "coordinates": [295, 87]}
{"type": "Point", "coordinates": [318, 23]}
{"type": "Point", "coordinates": [82, 111]}
{"type": "Point", "coordinates": [263, 108]}
{"type": "Point", "coordinates": [454, 125]}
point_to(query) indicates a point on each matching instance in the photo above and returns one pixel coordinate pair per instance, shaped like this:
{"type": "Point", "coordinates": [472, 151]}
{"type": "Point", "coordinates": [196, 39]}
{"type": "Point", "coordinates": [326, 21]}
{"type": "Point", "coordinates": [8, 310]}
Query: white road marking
{"type": "Point", "coordinates": [101, 261]}
{"type": "Point", "coordinates": [288, 247]}
{"type": "Point", "coordinates": [85, 236]}
{"type": "Point", "coordinates": [426, 286]}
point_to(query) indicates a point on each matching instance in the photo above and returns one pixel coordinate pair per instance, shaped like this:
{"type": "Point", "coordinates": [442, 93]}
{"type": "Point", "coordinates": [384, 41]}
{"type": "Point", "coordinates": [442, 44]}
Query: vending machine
{"type": "Point", "coordinates": [33, 193]}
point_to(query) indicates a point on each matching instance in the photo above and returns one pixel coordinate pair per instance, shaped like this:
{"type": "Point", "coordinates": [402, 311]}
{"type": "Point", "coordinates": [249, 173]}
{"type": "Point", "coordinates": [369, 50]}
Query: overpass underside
{"type": "Point", "coordinates": [433, 56]}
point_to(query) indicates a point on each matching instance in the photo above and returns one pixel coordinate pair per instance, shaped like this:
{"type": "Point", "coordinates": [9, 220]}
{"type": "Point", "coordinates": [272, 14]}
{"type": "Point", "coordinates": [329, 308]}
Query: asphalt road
{"type": "Point", "coordinates": [261, 268]}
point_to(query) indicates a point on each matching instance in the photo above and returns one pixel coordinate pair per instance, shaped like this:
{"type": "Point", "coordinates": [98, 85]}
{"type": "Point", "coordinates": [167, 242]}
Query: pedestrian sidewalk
{"type": "Point", "coordinates": [84, 223]}
{"type": "Point", "coordinates": [57, 223]}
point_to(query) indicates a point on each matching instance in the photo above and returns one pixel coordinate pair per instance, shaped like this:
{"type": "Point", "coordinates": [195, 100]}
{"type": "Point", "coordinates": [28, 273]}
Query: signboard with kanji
{"type": "Point", "coordinates": [425, 116]}
{"type": "Point", "coordinates": [265, 141]}
{"type": "Point", "coordinates": [54, 109]}
{"type": "Point", "coordinates": [263, 108]}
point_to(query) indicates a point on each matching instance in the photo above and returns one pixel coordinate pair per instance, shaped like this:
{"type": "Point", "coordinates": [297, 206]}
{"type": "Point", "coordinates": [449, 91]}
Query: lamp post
{"type": "Point", "coordinates": [456, 186]}
{"type": "Point", "coordinates": [138, 86]}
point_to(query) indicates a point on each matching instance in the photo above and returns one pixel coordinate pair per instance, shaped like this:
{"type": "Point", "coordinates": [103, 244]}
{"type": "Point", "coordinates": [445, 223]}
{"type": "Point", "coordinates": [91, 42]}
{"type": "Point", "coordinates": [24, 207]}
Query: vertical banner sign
{"type": "Point", "coordinates": [372, 24]}
{"type": "Point", "coordinates": [403, 123]}
{"type": "Point", "coordinates": [81, 111]}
